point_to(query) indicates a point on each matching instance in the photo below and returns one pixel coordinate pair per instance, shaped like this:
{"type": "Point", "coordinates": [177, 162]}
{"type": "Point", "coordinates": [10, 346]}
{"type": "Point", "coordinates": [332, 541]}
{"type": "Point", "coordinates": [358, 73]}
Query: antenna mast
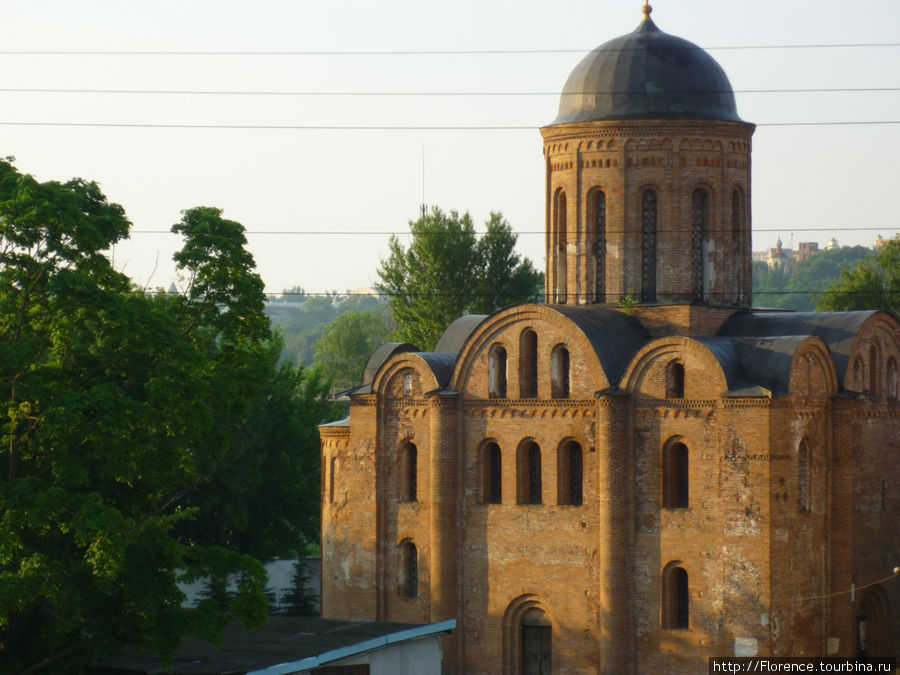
{"type": "Point", "coordinates": [423, 208]}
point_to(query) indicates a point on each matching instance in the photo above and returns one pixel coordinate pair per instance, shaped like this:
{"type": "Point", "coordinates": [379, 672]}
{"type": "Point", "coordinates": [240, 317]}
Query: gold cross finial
{"type": "Point", "coordinates": [647, 9]}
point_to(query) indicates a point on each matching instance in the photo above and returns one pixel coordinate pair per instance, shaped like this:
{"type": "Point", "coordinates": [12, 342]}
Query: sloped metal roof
{"type": "Point", "coordinates": [281, 645]}
{"type": "Point", "coordinates": [458, 332]}
{"type": "Point", "coordinates": [615, 336]}
{"type": "Point", "coordinates": [838, 330]}
{"type": "Point", "coordinates": [441, 365]}
{"type": "Point", "coordinates": [755, 366]}
{"type": "Point", "coordinates": [381, 355]}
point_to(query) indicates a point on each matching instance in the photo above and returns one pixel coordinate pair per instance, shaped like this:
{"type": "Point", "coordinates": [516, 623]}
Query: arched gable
{"type": "Point", "coordinates": [598, 340]}
{"type": "Point", "coordinates": [876, 343]}
{"type": "Point", "coordinates": [425, 377]}
{"type": "Point", "coordinates": [704, 375]}
{"type": "Point", "coordinates": [813, 376]}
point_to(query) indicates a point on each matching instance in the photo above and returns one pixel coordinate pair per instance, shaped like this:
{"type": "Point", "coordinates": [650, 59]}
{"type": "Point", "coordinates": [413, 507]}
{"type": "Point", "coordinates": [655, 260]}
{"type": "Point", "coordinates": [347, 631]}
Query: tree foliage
{"type": "Point", "coordinates": [799, 288]}
{"type": "Point", "coordinates": [348, 342]}
{"type": "Point", "coordinates": [447, 272]}
{"type": "Point", "coordinates": [149, 439]}
{"type": "Point", "coordinates": [873, 284]}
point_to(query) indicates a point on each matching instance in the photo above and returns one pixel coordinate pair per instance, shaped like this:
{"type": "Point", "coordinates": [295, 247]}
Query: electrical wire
{"type": "Point", "coordinates": [376, 127]}
{"type": "Point", "coordinates": [212, 92]}
{"type": "Point", "coordinates": [420, 52]}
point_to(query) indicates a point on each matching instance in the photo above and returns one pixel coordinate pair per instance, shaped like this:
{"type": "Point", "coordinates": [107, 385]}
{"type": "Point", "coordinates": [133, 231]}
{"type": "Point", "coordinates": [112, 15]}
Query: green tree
{"type": "Point", "coordinates": [128, 416]}
{"type": "Point", "coordinates": [799, 288]}
{"type": "Point", "coordinates": [447, 271]}
{"type": "Point", "coordinates": [348, 342]}
{"type": "Point", "coordinates": [873, 284]}
{"type": "Point", "coordinates": [299, 600]}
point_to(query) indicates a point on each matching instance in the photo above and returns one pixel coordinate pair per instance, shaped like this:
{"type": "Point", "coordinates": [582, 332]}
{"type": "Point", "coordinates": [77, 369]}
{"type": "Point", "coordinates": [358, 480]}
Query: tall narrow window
{"type": "Point", "coordinates": [571, 474]}
{"type": "Point", "coordinates": [331, 467]}
{"type": "Point", "coordinates": [410, 569]}
{"type": "Point", "coordinates": [407, 385]}
{"type": "Point", "coordinates": [858, 375]}
{"type": "Point", "coordinates": [873, 371]}
{"type": "Point", "coordinates": [675, 476]}
{"type": "Point", "coordinates": [493, 474]}
{"type": "Point", "coordinates": [561, 244]}
{"type": "Point", "coordinates": [529, 473]}
{"type": "Point", "coordinates": [675, 379]}
{"type": "Point", "coordinates": [409, 473]}
{"type": "Point", "coordinates": [597, 202]}
{"type": "Point", "coordinates": [528, 364]}
{"type": "Point", "coordinates": [648, 246]}
{"type": "Point", "coordinates": [890, 379]}
{"type": "Point", "coordinates": [803, 476]}
{"type": "Point", "coordinates": [699, 233]}
{"type": "Point", "coordinates": [737, 247]}
{"type": "Point", "coordinates": [675, 597]}
{"type": "Point", "coordinates": [559, 366]}
{"type": "Point", "coordinates": [497, 375]}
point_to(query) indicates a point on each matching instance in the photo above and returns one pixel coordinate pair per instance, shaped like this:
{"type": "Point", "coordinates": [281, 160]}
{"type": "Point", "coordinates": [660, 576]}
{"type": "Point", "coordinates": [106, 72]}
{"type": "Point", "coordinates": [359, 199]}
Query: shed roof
{"type": "Point", "coordinates": [282, 645]}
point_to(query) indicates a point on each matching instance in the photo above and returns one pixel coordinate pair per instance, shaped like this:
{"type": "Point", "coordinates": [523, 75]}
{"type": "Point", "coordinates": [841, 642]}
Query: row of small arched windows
{"type": "Point", "coordinates": [597, 224]}
{"type": "Point", "coordinates": [529, 484]}
{"type": "Point", "coordinates": [873, 383]}
{"type": "Point", "coordinates": [528, 369]}
{"type": "Point", "coordinates": [529, 474]}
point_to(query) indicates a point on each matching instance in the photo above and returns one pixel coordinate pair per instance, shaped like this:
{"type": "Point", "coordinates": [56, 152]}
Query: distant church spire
{"type": "Point", "coordinates": [647, 9]}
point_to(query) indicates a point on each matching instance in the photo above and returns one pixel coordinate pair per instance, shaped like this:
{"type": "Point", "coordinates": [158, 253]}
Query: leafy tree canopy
{"type": "Point", "coordinates": [448, 271]}
{"type": "Point", "coordinates": [799, 288]}
{"type": "Point", "coordinates": [873, 284]}
{"type": "Point", "coordinates": [348, 342]}
{"type": "Point", "coordinates": [150, 439]}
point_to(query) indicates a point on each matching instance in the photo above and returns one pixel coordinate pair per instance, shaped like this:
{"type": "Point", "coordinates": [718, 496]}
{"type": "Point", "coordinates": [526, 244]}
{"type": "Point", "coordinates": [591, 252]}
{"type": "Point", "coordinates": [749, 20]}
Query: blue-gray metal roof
{"type": "Point", "coordinates": [441, 365]}
{"type": "Point", "coordinates": [281, 645]}
{"type": "Point", "coordinates": [838, 330]}
{"type": "Point", "coordinates": [458, 332]}
{"type": "Point", "coordinates": [381, 355]}
{"type": "Point", "coordinates": [615, 336]}
{"type": "Point", "coordinates": [753, 363]}
{"type": "Point", "coordinates": [647, 74]}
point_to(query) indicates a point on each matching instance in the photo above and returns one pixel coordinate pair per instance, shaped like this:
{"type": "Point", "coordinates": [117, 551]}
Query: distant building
{"type": "Point", "coordinates": [805, 251]}
{"type": "Point", "coordinates": [643, 472]}
{"type": "Point", "coordinates": [780, 258]}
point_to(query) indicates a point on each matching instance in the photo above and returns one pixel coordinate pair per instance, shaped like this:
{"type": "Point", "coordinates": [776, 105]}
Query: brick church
{"type": "Point", "coordinates": [644, 471]}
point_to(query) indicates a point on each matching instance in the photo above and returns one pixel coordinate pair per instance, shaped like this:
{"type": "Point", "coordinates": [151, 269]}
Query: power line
{"type": "Point", "coordinates": [356, 233]}
{"type": "Point", "coordinates": [456, 294]}
{"type": "Point", "coordinates": [418, 52]}
{"type": "Point", "coordinates": [210, 92]}
{"type": "Point", "coordinates": [377, 127]}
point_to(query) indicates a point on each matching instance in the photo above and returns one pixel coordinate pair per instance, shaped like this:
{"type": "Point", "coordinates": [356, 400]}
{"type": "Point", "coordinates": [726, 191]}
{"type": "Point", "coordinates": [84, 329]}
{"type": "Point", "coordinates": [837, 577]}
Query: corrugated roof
{"type": "Point", "coordinates": [282, 641]}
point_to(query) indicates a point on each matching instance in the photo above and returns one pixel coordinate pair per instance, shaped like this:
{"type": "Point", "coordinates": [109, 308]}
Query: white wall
{"type": "Point", "coordinates": [280, 573]}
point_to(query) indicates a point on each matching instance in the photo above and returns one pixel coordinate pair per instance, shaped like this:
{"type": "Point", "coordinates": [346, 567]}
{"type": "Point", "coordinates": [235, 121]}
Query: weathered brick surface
{"type": "Point", "coordinates": [623, 159]}
{"type": "Point", "coordinates": [793, 497]}
{"type": "Point", "coordinates": [761, 569]}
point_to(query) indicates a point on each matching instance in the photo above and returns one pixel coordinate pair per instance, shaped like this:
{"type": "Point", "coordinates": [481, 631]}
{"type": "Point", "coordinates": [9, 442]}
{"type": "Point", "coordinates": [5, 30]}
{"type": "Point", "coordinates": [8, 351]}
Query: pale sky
{"type": "Point", "coordinates": [298, 191]}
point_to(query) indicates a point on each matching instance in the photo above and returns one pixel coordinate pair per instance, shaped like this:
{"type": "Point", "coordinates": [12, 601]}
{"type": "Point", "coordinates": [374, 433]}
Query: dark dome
{"type": "Point", "coordinates": [647, 74]}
